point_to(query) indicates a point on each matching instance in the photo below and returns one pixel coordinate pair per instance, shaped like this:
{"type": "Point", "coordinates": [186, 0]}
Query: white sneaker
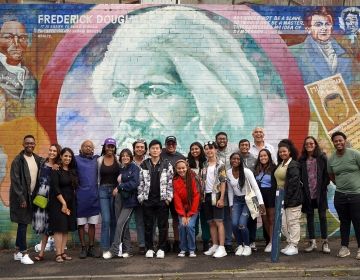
{"type": "Point", "coordinates": [312, 246]}
{"type": "Point", "coordinates": [211, 250]}
{"type": "Point", "coordinates": [25, 259]}
{"type": "Point", "coordinates": [192, 254]}
{"type": "Point", "coordinates": [326, 248]}
{"type": "Point", "coordinates": [358, 254]}
{"type": "Point", "coordinates": [247, 251]}
{"type": "Point", "coordinates": [220, 252]}
{"type": "Point", "coordinates": [239, 250]}
{"type": "Point", "coordinates": [160, 254]}
{"type": "Point", "coordinates": [149, 254]}
{"type": "Point", "coordinates": [17, 256]}
{"type": "Point", "coordinates": [285, 249]}
{"type": "Point", "coordinates": [181, 254]}
{"type": "Point", "coordinates": [126, 255]}
{"type": "Point", "coordinates": [292, 250]}
{"type": "Point", "coordinates": [343, 252]}
{"type": "Point", "coordinates": [268, 248]}
{"type": "Point", "coordinates": [107, 255]}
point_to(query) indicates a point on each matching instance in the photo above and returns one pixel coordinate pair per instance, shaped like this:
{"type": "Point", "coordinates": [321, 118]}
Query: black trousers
{"type": "Point", "coordinates": [348, 208]}
{"type": "Point", "coordinates": [322, 218]}
{"type": "Point", "coordinates": [157, 212]}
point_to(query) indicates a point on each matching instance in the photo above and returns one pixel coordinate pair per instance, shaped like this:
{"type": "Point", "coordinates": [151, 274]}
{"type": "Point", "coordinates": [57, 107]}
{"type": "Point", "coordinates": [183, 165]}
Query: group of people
{"type": "Point", "coordinates": [206, 189]}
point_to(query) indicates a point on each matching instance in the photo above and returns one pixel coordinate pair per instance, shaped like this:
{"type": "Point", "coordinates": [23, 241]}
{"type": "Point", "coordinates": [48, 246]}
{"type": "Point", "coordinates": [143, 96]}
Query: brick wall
{"type": "Point", "coordinates": [132, 71]}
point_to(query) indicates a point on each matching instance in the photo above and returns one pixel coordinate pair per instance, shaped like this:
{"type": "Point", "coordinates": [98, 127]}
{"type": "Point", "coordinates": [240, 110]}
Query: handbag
{"type": "Point", "coordinates": [40, 201]}
{"type": "Point", "coordinates": [251, 201]}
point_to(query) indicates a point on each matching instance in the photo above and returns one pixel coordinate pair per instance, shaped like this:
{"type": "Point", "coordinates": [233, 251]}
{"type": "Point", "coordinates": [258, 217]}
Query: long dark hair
{"type": "Point", "coordinates": [72, 167]}
{"type": "Point", "coordinates": [103, 151]}
{"type": "Point", "coordinates": [287, 143]}
{"type": "Point", "coordinates": [241, 170]}
{"type": "Point", "coordinates": [58, 148]}
{"type": "Point", "coordinates": [317, 150]}
{"type": "Point", "coordinates": [189, 179]}
{"type": "Point", "coordinates": [202, 157]}
{"type": "Point", "coordinates": [267, 168]}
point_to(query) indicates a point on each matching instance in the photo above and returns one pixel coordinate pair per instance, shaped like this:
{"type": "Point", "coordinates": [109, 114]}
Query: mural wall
{"type": "Point", "coordinates": [75, 72]}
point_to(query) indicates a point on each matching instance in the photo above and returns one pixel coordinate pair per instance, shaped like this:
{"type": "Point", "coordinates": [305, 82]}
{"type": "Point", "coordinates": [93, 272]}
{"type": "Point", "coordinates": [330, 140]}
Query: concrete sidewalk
{"type": "Point", "coordinates": [314, 265]}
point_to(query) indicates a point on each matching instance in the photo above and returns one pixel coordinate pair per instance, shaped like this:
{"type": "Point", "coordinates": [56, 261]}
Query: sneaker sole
{"type": "Point", "coordinates": [344, 256]}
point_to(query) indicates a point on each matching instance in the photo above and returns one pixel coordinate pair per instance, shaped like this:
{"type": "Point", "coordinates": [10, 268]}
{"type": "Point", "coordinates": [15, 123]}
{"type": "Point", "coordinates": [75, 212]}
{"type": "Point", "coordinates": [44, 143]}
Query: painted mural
{"type": "Point", "coordinates": [75, 72]}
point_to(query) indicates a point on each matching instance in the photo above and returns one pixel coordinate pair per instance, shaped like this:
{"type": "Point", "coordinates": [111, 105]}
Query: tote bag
{"type": "Point", "coordinates": [251, 201]}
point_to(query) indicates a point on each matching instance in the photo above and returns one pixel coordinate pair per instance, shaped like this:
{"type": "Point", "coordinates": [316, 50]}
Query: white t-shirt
{"type": "Point", "coordinates": [250, 182]}
{"type": "Point", "coordinates": [33, 168]}
{"type": "Point", "coordinates": [210, 178]}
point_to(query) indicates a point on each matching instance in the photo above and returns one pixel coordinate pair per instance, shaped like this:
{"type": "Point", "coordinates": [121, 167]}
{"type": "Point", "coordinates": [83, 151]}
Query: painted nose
{"type": "Point", "coordinates": [135, 107]}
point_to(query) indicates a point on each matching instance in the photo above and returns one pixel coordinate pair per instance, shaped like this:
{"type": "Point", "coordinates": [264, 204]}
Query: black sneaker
{"type": "Point", "coordinates": [83, 253]}
{"type": "Point", "coordinates": [176, 248]}
{"type": "Point", "coordinates": [168, 247]}
{"type": "Point", "coordinates": [205, 246]}
{"type": "Point", "coordinates": [142, 250]}
{"type": "Point", "coordinates": [92, 252]}
{"type": "Point", "coordinates": [229, 249]}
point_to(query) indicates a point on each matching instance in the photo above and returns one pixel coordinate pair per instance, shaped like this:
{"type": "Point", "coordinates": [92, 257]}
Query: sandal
{"type": "Point", "coordinates": [59, 259]}
{"type": "Point", "coordinates": [39, 258]}
{"type": "Point", "coordinates": [65, 257]}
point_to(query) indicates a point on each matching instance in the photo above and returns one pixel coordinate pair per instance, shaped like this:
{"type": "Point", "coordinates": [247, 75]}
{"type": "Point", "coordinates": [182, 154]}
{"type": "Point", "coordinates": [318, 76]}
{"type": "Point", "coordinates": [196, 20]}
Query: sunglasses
{"type": "Point", "coordinates": [140, 140]}
{"type": "Point", "coordinates": [211, 144]}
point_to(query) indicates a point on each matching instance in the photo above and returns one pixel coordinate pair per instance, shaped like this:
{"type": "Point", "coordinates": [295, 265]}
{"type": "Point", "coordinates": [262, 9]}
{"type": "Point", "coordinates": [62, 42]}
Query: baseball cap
{"type": "Point", "coordinates": [170, 139]}
{"type": "Point", "coordinates": [110, 141]}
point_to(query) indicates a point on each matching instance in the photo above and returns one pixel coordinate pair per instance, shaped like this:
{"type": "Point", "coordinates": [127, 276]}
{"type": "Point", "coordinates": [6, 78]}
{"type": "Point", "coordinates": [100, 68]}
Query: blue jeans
{"type": "Point", "coordinates": [187, 234]}
{"type": "Point", "coordinates": [240, 216]}
{"type": "Point", "coordinates": [108, 220]}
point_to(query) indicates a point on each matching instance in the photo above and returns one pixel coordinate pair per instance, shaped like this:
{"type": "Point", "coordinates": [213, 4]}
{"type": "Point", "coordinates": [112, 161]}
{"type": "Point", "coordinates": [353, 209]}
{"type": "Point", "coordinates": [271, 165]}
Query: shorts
{"type": "Point", "coordinates": [93, 220]}
{"type": "Point", "coordinates": [268, 195]}
{"type": "Point", "coordinates": [212, 213]}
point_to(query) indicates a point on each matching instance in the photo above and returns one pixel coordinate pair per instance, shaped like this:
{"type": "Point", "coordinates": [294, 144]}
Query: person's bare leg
{"type": "Point", "coordinates": [81, 230]}
{"type": "Point", "coordinates": [91, 233]}
{"type": "Point", "coordinates": [214, 233]}
{"type": "Point", "coordinates": [220, 232]}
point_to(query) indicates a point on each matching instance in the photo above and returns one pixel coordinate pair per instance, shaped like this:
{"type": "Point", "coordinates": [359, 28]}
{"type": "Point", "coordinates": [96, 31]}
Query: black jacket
{"type": "Point", "coordinates": [322, 183]}
{"type": "Point", "coordinates": [293, 185]}
{"type": "Point", "coordinates": [20, 189]}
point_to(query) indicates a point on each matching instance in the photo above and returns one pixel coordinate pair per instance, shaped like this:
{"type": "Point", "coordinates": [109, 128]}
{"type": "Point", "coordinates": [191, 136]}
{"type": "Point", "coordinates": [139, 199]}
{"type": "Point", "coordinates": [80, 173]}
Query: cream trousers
{"type": "Point", "coordinates": [290, 227]}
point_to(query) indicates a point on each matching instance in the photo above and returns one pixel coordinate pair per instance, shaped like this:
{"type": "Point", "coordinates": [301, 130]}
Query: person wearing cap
{"type": "Point", "coordinates": [87, 197]}
{"type": "Point", "coordinates": [169, 153]}
{"type": "Point", "coordinates": [108, 169]}
{"type": "Point", "coordinates": [213, 176]}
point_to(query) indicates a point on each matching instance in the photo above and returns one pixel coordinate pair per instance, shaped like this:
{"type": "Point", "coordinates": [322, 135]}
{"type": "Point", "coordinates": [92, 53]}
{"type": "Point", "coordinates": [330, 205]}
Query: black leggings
{"type": "Point", "coordinates": [348, 209]}
{"type": "Point", "coordinates": [310, 221]}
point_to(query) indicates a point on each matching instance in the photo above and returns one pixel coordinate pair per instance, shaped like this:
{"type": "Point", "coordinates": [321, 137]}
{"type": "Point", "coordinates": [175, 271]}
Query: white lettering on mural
{"type": "Point", "coordinates": [82, 19]}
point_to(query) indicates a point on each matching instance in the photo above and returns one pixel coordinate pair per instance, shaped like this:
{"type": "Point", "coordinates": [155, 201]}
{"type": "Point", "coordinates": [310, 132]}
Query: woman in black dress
{"type": "Point", "coordinates": [62, 214]}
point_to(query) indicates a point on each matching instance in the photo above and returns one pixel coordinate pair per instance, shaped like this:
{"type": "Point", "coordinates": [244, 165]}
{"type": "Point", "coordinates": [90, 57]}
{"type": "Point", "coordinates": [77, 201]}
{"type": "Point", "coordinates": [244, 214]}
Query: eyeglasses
{"type": "Point", "coordinates": [310, 144]}
{"type": "Point", "coordinates": [23, 38]}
